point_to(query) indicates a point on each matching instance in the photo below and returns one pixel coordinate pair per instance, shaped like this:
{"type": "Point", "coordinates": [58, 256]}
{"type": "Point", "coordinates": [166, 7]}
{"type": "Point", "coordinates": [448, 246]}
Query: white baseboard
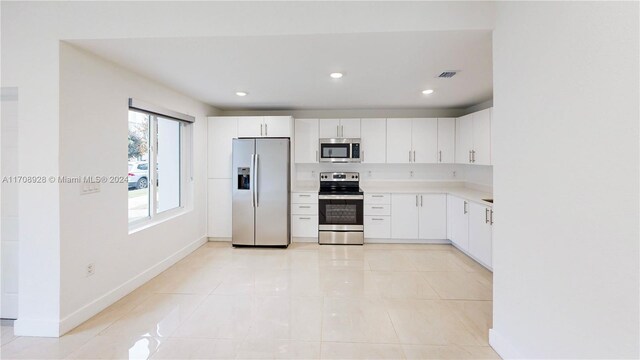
{"type": "Point", "coordinates": [304, 240]}
{"type": "Point", "coordinates": [472, 257]}
{"type": "Point", "coordinates": [405, 241]}
{"type": "Point", "coordinates": [501, 346]}
{"type": "Point", "coordinates": [86, 312]}
{"type": "Point", "coordinates": [223, 239]}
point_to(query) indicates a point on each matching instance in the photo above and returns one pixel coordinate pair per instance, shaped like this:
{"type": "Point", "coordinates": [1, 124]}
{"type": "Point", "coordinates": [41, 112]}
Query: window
{"type": "Point", "coordinates": [156, 163]}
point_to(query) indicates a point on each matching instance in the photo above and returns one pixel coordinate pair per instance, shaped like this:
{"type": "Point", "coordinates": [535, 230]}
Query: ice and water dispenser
{"type": "Point", "coordinates": [244, 179]}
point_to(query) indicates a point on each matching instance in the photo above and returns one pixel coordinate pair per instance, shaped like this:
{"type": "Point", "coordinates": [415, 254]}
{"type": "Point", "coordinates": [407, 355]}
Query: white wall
{"type": "Point", "coordinates": [94, 228]}
{"type": "Point", "coordinates": [565, 128]}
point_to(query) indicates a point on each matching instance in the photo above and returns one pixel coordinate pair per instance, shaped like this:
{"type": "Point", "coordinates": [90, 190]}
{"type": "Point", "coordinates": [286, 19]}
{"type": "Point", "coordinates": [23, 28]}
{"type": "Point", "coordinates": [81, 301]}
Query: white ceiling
{"type": "Point", "coordinates": [382, 70]}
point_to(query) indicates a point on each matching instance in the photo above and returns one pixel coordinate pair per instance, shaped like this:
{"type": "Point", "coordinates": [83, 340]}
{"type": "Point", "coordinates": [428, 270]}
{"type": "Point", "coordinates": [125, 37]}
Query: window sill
{"type": "Point", "coordinates": [141, 225]}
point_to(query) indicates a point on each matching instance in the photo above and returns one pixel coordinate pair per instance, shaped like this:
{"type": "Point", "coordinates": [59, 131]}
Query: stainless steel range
{"type": "Point", "coordinates": [340, 209]}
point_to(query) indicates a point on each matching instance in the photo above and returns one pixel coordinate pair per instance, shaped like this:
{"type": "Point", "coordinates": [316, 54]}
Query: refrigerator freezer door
{"type": "Point", "coordinates": [272, 187]}
{"type": "Point", "coordinates": [243, 181]}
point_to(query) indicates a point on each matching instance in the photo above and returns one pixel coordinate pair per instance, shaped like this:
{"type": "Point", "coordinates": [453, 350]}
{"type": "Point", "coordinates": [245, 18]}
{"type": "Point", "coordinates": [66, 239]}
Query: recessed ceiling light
{"type": "Point", "coordinates": [336, 75]}
{"type": "Point", "coordinates": [427, 92]}
{"type": "Point", "coordinates": [241, 93]}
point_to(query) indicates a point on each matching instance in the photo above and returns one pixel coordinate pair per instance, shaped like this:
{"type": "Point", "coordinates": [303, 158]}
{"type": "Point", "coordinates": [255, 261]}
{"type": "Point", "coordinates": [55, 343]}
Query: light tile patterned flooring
{"type": "Point", "coordinates": [306, 302]}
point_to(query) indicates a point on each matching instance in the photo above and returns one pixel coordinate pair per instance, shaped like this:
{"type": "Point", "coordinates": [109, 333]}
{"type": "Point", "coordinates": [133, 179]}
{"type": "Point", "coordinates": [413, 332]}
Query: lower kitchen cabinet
{"type": "Point", "coordinates": [304, 225]}
{"type": "Point", "coordinates": [220, 209]}
{"type": "Point", "coordinates": [377, 227]}
{"type": "Point", "coordinates": [480, 233]}
{"type": "Point", "coordinates": [458, 222]}
{"type": "Point", "coordinates": [304, 214]}
{"type": "Point", "coordinates": [419, 216]}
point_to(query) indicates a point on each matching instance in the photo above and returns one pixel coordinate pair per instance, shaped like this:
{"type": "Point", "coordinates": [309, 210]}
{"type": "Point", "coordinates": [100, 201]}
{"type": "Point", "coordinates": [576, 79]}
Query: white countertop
{"type": "Point", "coordinates": [455, 188]}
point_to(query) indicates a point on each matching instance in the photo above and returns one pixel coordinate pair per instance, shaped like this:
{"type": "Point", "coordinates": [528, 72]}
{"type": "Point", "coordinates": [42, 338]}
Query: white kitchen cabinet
{"type": "Point", "coordinates": [446, 140]}
{"type": "Point", "coordinates": [219, 204]}
{"type": "Point", "coordinates": [306, 141]}
{"type": "Point", "coordinates": [473, 138]}
{"type": "Point", "coordinates": [458, 221]}
{"type": "Point", "coordinates": [399, 141]}
{"type": "Point", "coordinates": [377, 227]}
{"type": "Point", "coordinates": [412, 141]}
{"type": "Point", "coordinates": [464, 139]}
{"type": "Point", "coordinates": [373, 143]}
{"type": "Point", "coordinates": [221, 131]}
{"type": "Point", "coordinates": [304, 214]}
{"type": "Point", "coordinates": [482, 137]}
{"type": "Point", "coordinates": [377, 198]}
{"type": "Point", "coordinates": [480, 233]}
{"type": "Point", "coordinates": [304, 226]}
{"type": "Point", "coordinates": [264, 126]}
{"type": "Point", "coordinates": [250, 126]}
{"type": "Point", "coordinates": [404, 216]}
{"type": "Point", "coordinates": [350, 128]}
{"type": "Point", "coordinates": [432, 217]}
{"type": "Point", "coordinates": [424, 140]}
{"type": "Point", "coordinates": [277, 126]}
{"type": "Point", "coordinates": [339, 128]}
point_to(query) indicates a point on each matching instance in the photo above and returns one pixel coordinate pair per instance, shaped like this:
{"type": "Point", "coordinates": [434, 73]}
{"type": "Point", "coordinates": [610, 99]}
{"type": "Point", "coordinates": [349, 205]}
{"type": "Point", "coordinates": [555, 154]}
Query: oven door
{"type": "Point", "coordinates": [340, 213]}
{"type": "Point", "coordinates": [335, 151]}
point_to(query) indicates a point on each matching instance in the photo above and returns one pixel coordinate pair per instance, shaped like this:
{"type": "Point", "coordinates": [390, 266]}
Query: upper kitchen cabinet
{"type": "Point", "coordinates": [373, 143]}
{"type": "Point", "coordinates": [399, 141]}
{"type": "Point", "coordinates": [412, 141]}
{"type": "Point", "coordinates": [482, 137]}
{"type": "Point", "coordinates": [221, 131]}
{"type": "Point", "coordinates": [473, 138]}
{"type": "Point", "coordinates": [424, 140]}
{"type": "Point", "coordinates": [446, 140]}
{"type": "Point", "coordinates": [306, 141]}
{"type": "Point", "coordinates": [464, 139]}
{"type": "Point", "coordinates": [339, 128]}
{"type": "Point", "coordinates": [264, 126]}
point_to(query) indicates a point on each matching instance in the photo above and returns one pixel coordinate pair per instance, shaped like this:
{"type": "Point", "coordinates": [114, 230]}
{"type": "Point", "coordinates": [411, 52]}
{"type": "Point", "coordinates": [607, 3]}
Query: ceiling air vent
{"type": "Point", "coordinates": [447, 74]}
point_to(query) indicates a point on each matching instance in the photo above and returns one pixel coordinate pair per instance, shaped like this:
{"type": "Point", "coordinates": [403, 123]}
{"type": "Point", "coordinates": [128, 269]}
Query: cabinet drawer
{"type": "Point", "coordinates": [304, 209]}
{"type": "Point", "coordinates": [377, 209]}
{"type": "Point", "coordinates": [377, 227]}
{"type": "Point", "coordinates": [304, 225]}
{"type": "Point", "coordinates": [304, 198]}
{"type": "Point", "coordinates": [377, 199]}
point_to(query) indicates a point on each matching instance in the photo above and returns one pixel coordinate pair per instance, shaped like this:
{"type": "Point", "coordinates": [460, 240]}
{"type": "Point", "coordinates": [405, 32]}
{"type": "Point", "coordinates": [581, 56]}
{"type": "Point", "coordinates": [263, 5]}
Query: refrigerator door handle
{"type": "Point", "coordinates": [252, 181]}
{"type": "Point", "coordinates": [255, 182]}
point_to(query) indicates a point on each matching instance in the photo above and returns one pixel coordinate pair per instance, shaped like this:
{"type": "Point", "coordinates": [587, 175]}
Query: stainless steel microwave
{"type": "Point", "coordinates": [340, 150]}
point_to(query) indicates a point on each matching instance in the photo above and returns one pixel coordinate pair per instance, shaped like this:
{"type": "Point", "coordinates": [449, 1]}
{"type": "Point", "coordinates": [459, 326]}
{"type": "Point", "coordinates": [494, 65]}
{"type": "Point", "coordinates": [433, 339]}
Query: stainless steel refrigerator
{"type": "Point", "coordinates": [261, 192]}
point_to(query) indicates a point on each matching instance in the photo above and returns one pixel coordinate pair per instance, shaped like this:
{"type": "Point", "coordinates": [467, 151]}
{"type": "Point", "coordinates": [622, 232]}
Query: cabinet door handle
{"type": "Point", "coordinates": [473, 156]}
{"type": "Point", "coordinates": [486, 215]}
{"type": "Point", "coordinates": [420, 200]}
{"type": "Point", "coordinates": [377, 196]}
{"type": "Point", "coordinates": [266, 130]}
{"type": "Point", "coordinates": [470, 156]}
{"type": "Point", "coordinates": [362, 155]}
{"type": "Point", "coordinates": [304, 207]}
{"type": "Point", "coordinates": [491, 217]}
{"type": "Point", "coordinates": [377, 207]}
{"type": "Point", "coordinates": [304, 195]}
{"type": "Point", "coordinates": [260, 129]}
{"type": "Point", "coordinates": [304, 218]}
{"type": "Point", "coordinates": [464, 208]}
{"type": "Point", "coordinates": [414, 156]}
{"type": "Point", "coordinates": [376, 219]}
{"type": "Point", "coordinates": [440, 156]}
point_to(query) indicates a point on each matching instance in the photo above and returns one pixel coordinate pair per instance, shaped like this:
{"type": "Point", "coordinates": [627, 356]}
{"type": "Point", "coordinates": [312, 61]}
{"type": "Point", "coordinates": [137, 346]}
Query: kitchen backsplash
{"type": "Point", "coordinates": [481, 175]}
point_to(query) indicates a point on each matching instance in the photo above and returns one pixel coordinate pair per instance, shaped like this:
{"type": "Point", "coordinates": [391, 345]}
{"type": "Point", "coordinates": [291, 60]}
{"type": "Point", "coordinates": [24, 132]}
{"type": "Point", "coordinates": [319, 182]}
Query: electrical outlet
{"type": "Point", "coordinates": [89, 188]}
{"type": "Point", "coordinates": [91, 269]}
{"type": "Point", "coordinates": [369, 173]}
{"type": "Point", "coordinates": [454, 174]}
{"type": "Point", "coordinates": [411, 173]}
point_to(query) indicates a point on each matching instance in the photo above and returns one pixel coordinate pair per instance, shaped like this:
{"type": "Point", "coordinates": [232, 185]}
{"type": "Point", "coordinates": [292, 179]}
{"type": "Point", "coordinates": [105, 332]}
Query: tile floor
{"type": "Point", "coordinates": [375, 301]}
